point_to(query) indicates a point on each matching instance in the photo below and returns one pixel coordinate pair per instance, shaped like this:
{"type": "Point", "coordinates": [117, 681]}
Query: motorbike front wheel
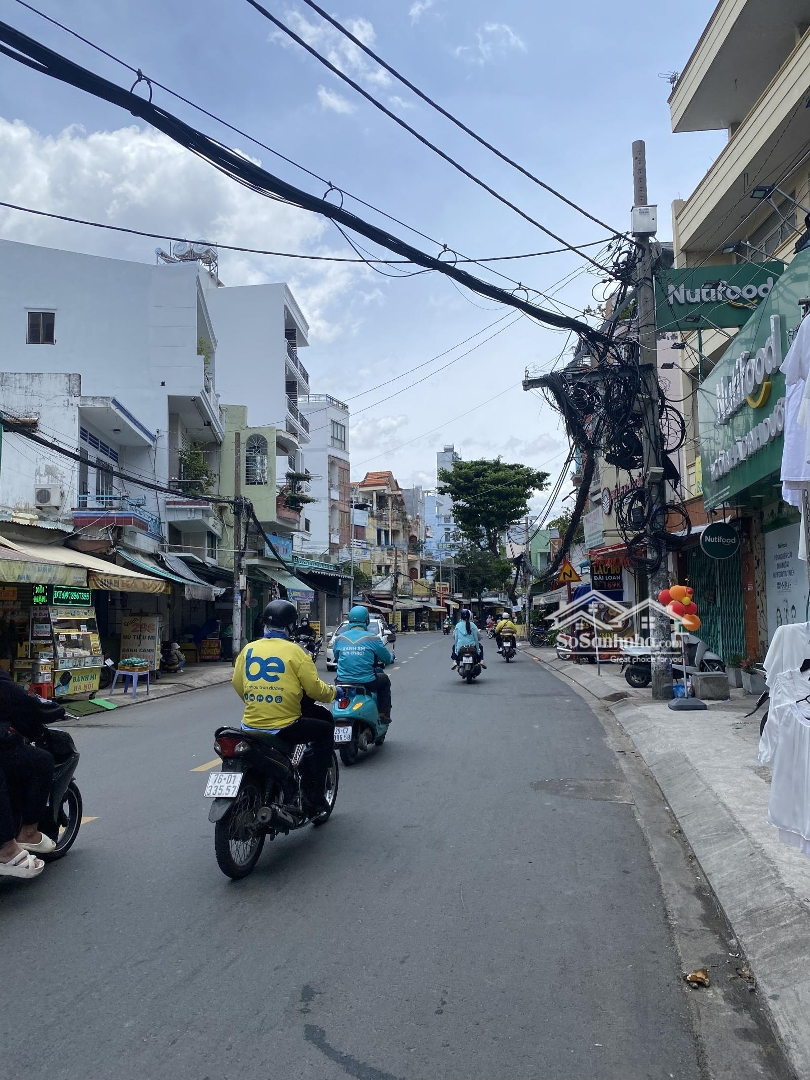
{"type": "Point", "coordinates": [638, 676]}
{"type": "Point", "coordinates": [714, 665]}
{"type": "Point", "coordinates": [238, 841]}
{"type": "Point", "coordinates": [69, 821]}
{"type": "Point", "coordinates": [330, 791]}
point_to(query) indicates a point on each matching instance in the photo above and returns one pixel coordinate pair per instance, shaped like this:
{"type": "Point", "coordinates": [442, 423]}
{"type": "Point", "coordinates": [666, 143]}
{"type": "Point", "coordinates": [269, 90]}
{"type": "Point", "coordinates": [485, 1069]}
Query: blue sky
{"type": "Point", "coordinates": [562, 88]}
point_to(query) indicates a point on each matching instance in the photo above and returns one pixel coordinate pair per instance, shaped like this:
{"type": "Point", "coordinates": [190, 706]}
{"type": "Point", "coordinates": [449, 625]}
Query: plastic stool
{"type": "Point", "coordinates": [43, 689]}
{"type": "Point", "coordinates": [134, 675]}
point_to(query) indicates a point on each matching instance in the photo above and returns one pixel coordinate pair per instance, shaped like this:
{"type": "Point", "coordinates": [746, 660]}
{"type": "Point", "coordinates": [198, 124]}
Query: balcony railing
{"type": "Point", "coordinates": [292, 354]}
{"type": "Point", "coordinates": [124, 505]}
{"type": "Point", "coordinates": [327, 399]}
{"type": "Point", "coordinates": [297, 415]}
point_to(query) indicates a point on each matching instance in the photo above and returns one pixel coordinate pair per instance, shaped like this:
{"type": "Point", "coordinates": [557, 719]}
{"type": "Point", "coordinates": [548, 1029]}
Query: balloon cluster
{"type": "Point", "coordinates": [677, 599]}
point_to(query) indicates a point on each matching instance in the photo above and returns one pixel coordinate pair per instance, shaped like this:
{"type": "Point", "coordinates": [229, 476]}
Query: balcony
{"type": "Point", "coordinates": [297, 423]}
{"type": "Point", "coordinates": [327, 399]}
{"type": "Point", "coordinates": [286, 516]}
{"type": "Point", "coordinates": [200, 413]}
{"type": "Point", "coordinates": [192, 515]}
{"type": "Point", "coordinates": [103, 511]}
{"type": "Point", "coordinates": [297, 367]}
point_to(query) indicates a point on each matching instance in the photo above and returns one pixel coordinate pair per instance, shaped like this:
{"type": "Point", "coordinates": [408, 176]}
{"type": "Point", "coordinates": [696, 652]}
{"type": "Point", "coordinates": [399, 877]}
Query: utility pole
{"type": "Point", "coordinates": [236, 619]}
{"type": "Point", "coordinates": [652, 438]}
{"type": "Point", "coordinates": [527, 575]}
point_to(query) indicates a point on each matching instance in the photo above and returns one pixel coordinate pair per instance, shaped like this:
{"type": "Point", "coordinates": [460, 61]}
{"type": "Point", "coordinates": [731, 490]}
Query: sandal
{"type": "Point", "coordinates": [24, 865]}
{"type": "Point", "coordinates": [44, 845]}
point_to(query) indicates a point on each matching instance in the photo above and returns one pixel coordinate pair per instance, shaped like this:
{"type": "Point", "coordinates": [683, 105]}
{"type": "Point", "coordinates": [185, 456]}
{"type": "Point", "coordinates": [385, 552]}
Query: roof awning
{"type": "Point", "coordinates": [177, 566]}
{"type": "Point", "coordinates": [93, 572]}
{"type": "Point", "coordinates": [17, 567]}
{"type": "Point", "coordinates": [194, 588]}
{"type": "Point", "coordinates": [296, 590]}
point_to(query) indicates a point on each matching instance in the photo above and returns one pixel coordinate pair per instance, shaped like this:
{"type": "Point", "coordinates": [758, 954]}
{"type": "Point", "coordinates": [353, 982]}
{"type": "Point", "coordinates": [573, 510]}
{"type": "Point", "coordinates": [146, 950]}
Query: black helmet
{"type": "Point", "coordinates": [280, 614]}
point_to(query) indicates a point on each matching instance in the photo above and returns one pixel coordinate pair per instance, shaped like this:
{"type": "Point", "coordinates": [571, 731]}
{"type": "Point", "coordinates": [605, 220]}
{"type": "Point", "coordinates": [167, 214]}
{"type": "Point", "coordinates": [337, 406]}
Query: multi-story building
{"type": "Point", "coordinates": [414, 499]}
{"type": "Point", "coordinates": [327, 459]}
{"type": "Point", "coordinates": [748, 75]}
{"type": "Point", "coordinates": [388, 527]}
{"type": "Point", "coordinates": [442, 538]}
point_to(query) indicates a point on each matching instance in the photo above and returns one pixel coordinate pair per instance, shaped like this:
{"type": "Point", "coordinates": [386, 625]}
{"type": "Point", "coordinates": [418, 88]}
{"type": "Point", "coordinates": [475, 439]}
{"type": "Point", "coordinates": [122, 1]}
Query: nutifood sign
{"type": "Point", "coordinates": [741, 403]}
{"type": "Point", "coordinates": [700, 298]}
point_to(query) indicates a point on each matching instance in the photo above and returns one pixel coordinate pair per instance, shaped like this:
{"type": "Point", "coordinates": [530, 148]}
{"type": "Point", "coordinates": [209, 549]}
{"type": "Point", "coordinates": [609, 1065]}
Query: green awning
{"type": "Point", "coordinates": [296, 590]}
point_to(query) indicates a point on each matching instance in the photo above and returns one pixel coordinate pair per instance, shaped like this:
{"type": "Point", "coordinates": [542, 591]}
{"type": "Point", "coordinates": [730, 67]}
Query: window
{"type": "Point", "coordinates": [84, 485]}
{"type": "Point", "coordinates": [307, 525]}
{"type": "Point", "coordinates": [338, 435]}
{"type": "Point", "coordinates": [40, 328]}
{"type": "Point", "coordinates": [256, 460]}
{"type": "Point", "coordinates": [104, 480]}
{"type": "Point", "coordinates": [211, 545]}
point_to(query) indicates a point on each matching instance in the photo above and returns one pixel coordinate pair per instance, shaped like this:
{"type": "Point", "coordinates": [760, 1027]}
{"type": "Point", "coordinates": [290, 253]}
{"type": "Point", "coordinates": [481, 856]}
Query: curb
{"type": "Point", "coordinates": [126, 700]}
{"type": "Point", "coordinates": [771, 922]}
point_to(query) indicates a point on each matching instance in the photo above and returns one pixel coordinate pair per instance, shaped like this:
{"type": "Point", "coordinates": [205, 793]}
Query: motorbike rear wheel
{"type": "Point", "coordinates": [236, 843]}
{"type": "Point", "coordinates": [69, 822]}
{"type": "Point", "coordinates": [349, 753]}
{"type": "Point", "coordinates": [330, 791]}
{"type": "Point", "coordinates": [638, 676]}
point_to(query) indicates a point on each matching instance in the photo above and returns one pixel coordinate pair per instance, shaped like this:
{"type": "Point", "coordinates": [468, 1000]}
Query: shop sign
{"type": "Point", "coordinates": [76, 681]}
{"type": "Point", "coordinates": [785, 578]}
{"type": "Point", "coordinates": [594, 528]}
{"type": "Point", "coordinates": [606, 576]}
{"type": "Point", "coordinates": [140, 637]}
{"type": "Point", "coordinates": [442, 589]}
{"type": "Point", "coordinates": [719, 540]}
{"type": "Point", "coordinates": [63, 595]}
{"type": "Point", "coordinates": [708, 296]}
{"type": "Point", "coordinates": [8, 592]}
{"type": "Point", "coordinates": [741, 403]}
{"type": "Point", "coordinates": [40, 595]}
{"type": "Point", "coordinates": [282, 544]}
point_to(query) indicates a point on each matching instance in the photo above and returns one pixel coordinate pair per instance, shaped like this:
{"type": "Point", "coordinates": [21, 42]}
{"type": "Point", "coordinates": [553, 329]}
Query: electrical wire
{"type": "Point", "coordinates": [32, 54]}
{"type": "Point", "coordinates": [407, 127]}
{"type": "Point", "coordinates": [454, 120]}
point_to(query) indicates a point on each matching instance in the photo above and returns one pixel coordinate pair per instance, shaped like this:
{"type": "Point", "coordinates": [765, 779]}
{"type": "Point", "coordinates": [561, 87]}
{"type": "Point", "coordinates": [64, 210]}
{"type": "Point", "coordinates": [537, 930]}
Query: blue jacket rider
{"type": "Point", "coordinates": [356, 651]}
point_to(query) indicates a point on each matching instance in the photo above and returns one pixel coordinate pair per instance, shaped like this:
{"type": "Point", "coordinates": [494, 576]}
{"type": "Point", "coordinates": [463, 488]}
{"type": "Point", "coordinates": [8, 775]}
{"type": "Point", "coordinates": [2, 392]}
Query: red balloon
{"type": "Point", "coordinates": [677, 608]}
{"type": "Point", "coordinates": [690, 608]}
{"type": "Point", "coordinates": [690, 591]}
{"type": "Point", "coordinates": [664, 597]}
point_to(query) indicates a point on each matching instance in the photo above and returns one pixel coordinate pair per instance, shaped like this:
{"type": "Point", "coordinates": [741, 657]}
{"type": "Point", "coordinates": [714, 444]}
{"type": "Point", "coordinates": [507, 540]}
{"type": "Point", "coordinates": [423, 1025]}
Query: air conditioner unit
{"type": "Point", "coordinates": [47, 496]}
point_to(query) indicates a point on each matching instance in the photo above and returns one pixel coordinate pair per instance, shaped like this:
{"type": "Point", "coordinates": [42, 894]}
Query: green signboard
{"type": "Point", "coordinates": [703, 297]}
{"type": "Point", "coordinates": [741, 403]}
{"type": "Point", "coordinates": [70, 597]}
{"type": "Point", "coordinates": [41, 595]}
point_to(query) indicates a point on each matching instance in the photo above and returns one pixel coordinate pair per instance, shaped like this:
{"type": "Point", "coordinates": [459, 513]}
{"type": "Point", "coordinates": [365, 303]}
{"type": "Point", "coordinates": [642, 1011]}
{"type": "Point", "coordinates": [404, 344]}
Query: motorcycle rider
{"type": "Point", "coordinates": [466, 633]}
{"type": "Point", "coordinates": [279, 685]}
{"type": "Point", "coordinates": [356, 651]}
{"type": "Point", "coordinates": [305, 630]}
{"type": "Point", "coordinates": [505, 626]}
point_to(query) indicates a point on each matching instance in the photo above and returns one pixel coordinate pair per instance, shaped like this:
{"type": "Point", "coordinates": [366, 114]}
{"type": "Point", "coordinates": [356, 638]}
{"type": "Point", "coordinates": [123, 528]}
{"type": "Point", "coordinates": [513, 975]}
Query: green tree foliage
{"type": "Point", "coordinates": [480, 570]}
{"type": "Point", "coordinates": [488, 497]}
{"type": "Point", "coordinates": [562, 522]}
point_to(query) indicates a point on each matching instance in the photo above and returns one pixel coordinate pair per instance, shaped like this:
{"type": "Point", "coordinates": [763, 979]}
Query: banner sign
{"type": "Point", "coordinates": [606, 576]}
{"type": "Point", "coordinates": [703, 297]}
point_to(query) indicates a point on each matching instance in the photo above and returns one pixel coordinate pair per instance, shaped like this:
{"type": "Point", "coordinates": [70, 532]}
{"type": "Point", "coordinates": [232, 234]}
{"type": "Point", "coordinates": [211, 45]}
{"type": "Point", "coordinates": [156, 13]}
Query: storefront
{"type": "Point", "coordinates": [741, 408]}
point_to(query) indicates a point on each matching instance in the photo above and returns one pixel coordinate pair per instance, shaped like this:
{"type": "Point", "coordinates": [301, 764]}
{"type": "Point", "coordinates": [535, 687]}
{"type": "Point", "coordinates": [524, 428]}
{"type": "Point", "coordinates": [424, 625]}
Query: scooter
{"type": "Point", "coordinates": [508, 647]}
{"type": "Point", "coordinates": [63, 814]}
{"type": "Point", "coordinates": [358, 726]}
{"type": "Point", "coordinates": [637, 662]}
{"type": "Point", "coordinates": [446, 629]}
{"type": "Point", "coordinates": [469, 663]}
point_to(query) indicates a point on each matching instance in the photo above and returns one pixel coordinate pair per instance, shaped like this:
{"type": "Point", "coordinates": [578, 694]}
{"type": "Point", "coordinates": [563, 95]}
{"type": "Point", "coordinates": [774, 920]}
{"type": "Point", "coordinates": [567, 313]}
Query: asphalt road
{"type": "Point", "coordinates": [482, 905]}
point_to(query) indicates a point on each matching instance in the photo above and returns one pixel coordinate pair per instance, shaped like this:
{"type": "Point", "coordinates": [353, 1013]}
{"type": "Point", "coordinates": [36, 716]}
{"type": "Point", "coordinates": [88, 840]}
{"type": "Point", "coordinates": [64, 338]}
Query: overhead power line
{"type": "Point", "coordinates": [407, 127]}
{"type": "Point", "coordinates": [453, 119]}
{"type": "Point", "coordinates": [31, 53]}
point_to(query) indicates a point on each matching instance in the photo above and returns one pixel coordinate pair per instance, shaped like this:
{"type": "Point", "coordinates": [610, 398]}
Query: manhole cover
{"type": "Point", "coordinates": [615, 791]}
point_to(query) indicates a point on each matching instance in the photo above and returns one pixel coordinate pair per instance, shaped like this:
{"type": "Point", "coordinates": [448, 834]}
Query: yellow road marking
{"type": "Point", "coordinates": [86, 819]}
{"type": "Point", "coordinates": [207, 767]}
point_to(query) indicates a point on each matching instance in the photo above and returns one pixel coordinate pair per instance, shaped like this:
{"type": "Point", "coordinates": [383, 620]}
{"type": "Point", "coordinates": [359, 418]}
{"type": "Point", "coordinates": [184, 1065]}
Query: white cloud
{"type": "Point", "coordinates": [338, 50]}
{"type": "Point", "coordinates": [140, 179]}
{"type": "Point", "coordinates": [419, 8]}
{"type": "Point", "coordinates": [330, 99]}
{"type": "Point", "coordinates": [372, 435]}
{"type": "Point", "coordinates": [494, 42]}
{"type": "Point", "coordinates": [399, 103]}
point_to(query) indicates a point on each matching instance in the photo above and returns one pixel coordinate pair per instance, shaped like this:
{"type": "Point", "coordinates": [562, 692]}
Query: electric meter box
{"type": "Point", "coordinates": [644, 220]}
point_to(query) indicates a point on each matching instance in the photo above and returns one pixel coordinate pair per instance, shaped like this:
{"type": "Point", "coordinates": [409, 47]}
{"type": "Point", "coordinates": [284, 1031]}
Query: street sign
{"type": "Point", "coordinates": [567, 574]}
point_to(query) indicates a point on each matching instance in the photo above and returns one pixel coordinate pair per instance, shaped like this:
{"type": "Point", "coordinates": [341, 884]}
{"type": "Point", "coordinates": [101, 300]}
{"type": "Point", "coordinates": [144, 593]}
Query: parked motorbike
{"type": "Point", "coordinates": [469, 663]}
{"type": "Point", "coordinates": [259, 793]}
{"type": "Point", "coordinates": [538, 637]}
{"type": "Point", "coordinates": [637, 662]}
{"type": "Point", "coordinates": [508, 647]}
{"type": "Point", "coordinates": [358, 726]}
{"type": "Point", "coordinates": [63, 814]}
{"type": "Point", "coordinates": [636, 665]}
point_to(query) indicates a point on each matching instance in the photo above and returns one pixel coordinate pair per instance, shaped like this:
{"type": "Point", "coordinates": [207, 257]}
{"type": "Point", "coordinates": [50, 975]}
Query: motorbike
{"type": "Point", "coordinates": [259, 793]}
{"type": "Point", "coordinates": [446, 629]}
{"type": "Point", "coordinates": [63, 814]}
{"type": "Point", "coordinates": [358, 726]}
{"type": "Point", "coordinates": [637, 662]}
{"type": "Point", "coordinates": [310, 645]}
{"type": "Point", "coordinates": [490, 631]}
{"type": "Point", "coordinates": [469, 663]}
{"type": "Point", "coordinates": [508, 647]}
{"type": "Point", "coordinates": [538, 637]}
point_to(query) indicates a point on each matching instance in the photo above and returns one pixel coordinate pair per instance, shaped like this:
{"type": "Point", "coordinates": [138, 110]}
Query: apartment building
{"type": "Point", "coordinates": [327, 459]}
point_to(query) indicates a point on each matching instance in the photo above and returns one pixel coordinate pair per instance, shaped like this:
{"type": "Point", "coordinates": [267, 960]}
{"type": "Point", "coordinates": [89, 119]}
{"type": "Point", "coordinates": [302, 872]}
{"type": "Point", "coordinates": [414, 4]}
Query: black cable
{"type": "Point", "coordinates": [407, 127]}
{"type": "Point", "coordinates": [32, 54]}
{"type": "Point", "coordinates": [454, 120]}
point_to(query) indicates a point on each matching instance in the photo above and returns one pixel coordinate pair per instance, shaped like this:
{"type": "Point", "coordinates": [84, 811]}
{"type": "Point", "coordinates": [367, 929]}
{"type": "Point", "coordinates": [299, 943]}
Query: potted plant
{"type": "Point", "coordinates": [753, 676]}
{"type": "Point", "coordinates": [734, 664]}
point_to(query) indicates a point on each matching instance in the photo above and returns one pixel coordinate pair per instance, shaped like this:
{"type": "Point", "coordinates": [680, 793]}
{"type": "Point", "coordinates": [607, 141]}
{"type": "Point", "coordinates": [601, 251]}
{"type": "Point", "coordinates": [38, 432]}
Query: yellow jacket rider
{"type": "Point", "coordinates": [504, 626]}
{"type": "Point", "coordinates": [278, 683]}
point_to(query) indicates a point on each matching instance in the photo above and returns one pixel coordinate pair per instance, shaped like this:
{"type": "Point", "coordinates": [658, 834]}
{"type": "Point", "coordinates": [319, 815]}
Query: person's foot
{"type": "Point", "coordinates": [385, 718]}
{"type": "Point", "coordinates": [483, 664]}
{"type": "Point", "coordinates": [453, 667]}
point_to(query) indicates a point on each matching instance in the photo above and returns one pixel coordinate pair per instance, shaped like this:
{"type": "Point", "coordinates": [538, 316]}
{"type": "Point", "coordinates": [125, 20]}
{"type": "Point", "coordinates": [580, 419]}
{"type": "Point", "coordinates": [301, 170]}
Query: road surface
{"type": "Point", "coordinates": [481, 905]}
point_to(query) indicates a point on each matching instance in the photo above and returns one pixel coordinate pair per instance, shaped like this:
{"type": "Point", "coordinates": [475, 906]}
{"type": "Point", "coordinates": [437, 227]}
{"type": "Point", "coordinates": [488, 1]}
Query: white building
{"type": "Point", "coordinates": [327, 458]}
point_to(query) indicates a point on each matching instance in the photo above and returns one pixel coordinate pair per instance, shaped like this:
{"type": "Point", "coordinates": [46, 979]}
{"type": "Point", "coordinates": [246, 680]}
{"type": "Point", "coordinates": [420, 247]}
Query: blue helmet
{"type": "Point", "coordinates": [359, 615]}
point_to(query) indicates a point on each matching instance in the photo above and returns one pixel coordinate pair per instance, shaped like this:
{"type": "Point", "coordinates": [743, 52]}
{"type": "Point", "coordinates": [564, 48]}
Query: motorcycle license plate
{"type": "Point", "coordinates": [343, 733]}
{"type": "Point", "coordinates": [223, 785]}
{"type": "Point", "coordinates": [467, 660]}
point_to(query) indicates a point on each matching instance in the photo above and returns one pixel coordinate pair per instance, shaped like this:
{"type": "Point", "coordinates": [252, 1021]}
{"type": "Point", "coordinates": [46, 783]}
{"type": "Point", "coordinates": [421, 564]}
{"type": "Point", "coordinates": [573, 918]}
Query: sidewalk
{"type": "Point", "coordinates": [706, 766]}
{"type": "Point", "coordinates": [192, 677]}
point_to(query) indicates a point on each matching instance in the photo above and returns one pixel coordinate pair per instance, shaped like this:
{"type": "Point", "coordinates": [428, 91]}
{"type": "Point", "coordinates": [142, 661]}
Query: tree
{"type": "Point", "coordinates": [481, 570]}
{"type": "Point", "coordinates": [488, 497]}
{"type": "Point", "coordinates": [562, 522]}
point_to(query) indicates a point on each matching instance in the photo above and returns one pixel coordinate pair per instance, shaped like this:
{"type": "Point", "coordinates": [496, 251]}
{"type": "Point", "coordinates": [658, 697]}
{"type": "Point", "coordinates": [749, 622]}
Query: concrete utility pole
{"type": "Point", "coordinates": [652, 437]}
{"type": "Point", "coordinates": [236, 619]}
